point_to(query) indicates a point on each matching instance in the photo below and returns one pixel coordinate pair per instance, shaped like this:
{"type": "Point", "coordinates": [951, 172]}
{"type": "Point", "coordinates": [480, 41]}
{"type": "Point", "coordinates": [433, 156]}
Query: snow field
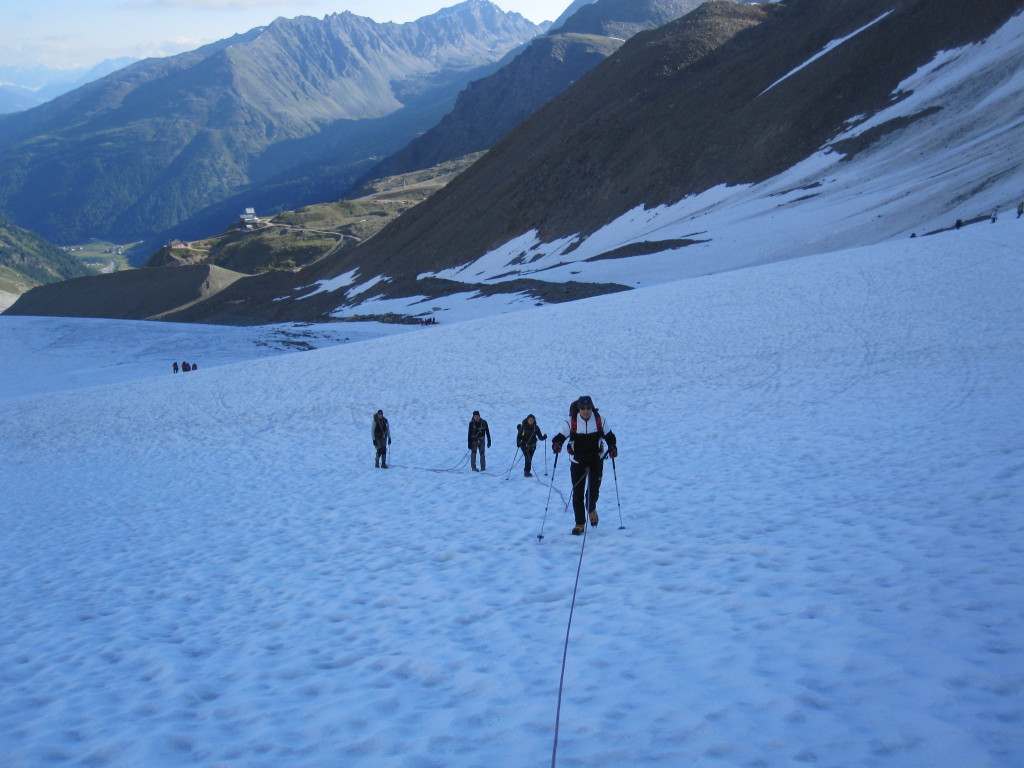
{"type": "Point", "coordinates": [821, 475]}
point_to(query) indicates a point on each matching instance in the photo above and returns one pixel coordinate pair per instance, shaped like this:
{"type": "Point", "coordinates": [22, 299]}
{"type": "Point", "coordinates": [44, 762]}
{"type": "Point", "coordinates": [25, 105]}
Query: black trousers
{"type": "Point", "coordinates": [585, 490]}
{"type": "Point", "coordinates": [382, 451]}
{"type": "Point", "coordinates": [528, 456]}
{"type": "Point", "coordinates": [475, 447]}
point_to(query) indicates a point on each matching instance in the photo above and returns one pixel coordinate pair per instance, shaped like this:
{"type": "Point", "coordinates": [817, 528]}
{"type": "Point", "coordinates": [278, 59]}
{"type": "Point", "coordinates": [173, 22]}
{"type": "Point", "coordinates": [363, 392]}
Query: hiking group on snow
{"type": "Point", "coordinates": [586, 436]}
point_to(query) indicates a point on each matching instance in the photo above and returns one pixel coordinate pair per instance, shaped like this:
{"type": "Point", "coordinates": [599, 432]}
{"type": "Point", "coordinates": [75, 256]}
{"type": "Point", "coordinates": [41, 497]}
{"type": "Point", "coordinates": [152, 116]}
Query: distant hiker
{"type": "Point", "coordinates": [526, 439]}
{"type": "Point", "coordinates": [186, 367]}
{"type": "Point", "coordinates": [959, 223]}
{"type": "Point", "coordinates": [381, 434]}
{"type": "Point", "coordinates": [995, 213]}
{"type": "Point", "coordinates": [589, 439]}
{"type": "Point", "coordinates": [195, 366]}
{"type": "Point", "coordinates": [175, 366]}
{"type": "Point", "coordinates": [1020, 209]}
{"type": "Point", "coordinates": [479, 439]}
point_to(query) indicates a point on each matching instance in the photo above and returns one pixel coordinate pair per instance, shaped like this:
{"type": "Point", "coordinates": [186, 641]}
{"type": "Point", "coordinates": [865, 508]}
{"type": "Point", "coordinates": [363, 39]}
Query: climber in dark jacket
{"type": "Point", "coordinates": [380, 432]}
{"type": "Point", "coordinates": [526, 440]}
{"type": "Point", "coordinates": [479, 439]}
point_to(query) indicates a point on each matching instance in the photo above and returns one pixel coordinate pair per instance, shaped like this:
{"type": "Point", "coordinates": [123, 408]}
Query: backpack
{"type": "Point", "coordinates": [524, 431]}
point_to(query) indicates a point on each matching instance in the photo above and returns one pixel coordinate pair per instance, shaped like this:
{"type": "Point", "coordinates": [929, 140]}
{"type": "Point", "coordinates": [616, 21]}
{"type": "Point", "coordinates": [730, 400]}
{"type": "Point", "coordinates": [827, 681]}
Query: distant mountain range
{"type": "Point", "coordinates": [277, 117]}
{"type": "Point", "coordinates": [906, 110]}
{"type": "Point", "coordinates": [26, 87]}
{"type": "Point", "coordinates": [492, 106]}
{"type": "Point", "coordinates": [14, 98]}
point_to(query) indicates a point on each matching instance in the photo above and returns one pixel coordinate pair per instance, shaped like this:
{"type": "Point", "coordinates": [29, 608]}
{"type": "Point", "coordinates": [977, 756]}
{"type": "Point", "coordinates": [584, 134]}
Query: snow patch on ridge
{"type": "Point", "coordinates": [824, 51]}
{"type": "Point", "coordinates": [952, 164]}
{"type": "Point", "coordinates": [328, 286]}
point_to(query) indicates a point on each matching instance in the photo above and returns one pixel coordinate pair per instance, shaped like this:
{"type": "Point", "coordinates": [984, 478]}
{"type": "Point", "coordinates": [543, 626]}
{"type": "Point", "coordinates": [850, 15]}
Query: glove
{"type": "Point", "coordinates": [488, 443]}
{"type": "Point", "coordinates": [613, 452]}
{"type": "Point", "coordinates": [543, 437]}
{"type": "Point", "coordinates": [389, 441]}
{"type": "Point", "coordinates": [556, 446]}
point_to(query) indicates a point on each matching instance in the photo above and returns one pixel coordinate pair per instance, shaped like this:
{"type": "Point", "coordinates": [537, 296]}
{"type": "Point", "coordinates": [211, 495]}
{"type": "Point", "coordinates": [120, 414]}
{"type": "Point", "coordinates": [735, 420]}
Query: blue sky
{"type": "Point", "coordinates": [73, 33]}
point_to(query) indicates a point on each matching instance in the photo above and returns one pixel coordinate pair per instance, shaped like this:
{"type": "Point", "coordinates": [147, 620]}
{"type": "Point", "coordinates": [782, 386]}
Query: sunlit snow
{"type": "Point", "coordinates": [810, 548]}
{"type": "Point", "coordinates": [820, 493]}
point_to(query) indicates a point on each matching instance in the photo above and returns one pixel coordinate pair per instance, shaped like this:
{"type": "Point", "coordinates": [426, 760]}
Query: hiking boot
{"type": "Point", "coordinates": [527, 474]}
{"type": "Point", "coordinates": [385, 466]}
{"type": "Point", "coordinates": [593, 518]}
{"type": "Point", "coordinates": [577, 530]}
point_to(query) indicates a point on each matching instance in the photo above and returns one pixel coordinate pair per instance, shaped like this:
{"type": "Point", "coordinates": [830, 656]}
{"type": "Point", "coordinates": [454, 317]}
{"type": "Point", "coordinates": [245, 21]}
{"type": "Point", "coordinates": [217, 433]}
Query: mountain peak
{"type": "Point", "coordinates": [182, 135]}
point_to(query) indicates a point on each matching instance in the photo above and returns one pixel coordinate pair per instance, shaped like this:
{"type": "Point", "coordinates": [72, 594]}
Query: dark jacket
{"type": "Point", "coordinates": [527, 435]}
{"type": "Point", "coordinates": [380, 431]}
{"type": "Point", "coordinates": [478, 430]}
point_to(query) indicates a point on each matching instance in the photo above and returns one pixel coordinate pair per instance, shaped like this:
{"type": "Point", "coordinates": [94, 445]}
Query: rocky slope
{"type": "Point", "coordinates": [492, 106]}
{"type": "Point", "coordinates": [905, 113]}
{"type": "Point", "coordinates": [677, 111]}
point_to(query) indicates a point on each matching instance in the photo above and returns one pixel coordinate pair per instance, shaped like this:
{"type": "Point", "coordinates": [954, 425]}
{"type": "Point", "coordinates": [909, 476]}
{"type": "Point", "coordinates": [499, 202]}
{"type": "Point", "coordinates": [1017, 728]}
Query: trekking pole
{"type": "Point", "coordinates": [548, 502]}
{"type": "Point", "coordinates": [619, 503]}
{"type": "Point", "coordinates": [545, 458]}
{"type": "Point", "coordinates": [514, 460]}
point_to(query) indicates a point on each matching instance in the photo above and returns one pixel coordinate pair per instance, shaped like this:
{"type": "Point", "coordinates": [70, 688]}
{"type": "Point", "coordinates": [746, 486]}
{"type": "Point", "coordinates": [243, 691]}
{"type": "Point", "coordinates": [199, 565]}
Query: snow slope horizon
{"type": "Point", "coordinates": [821, 480]}
{"type": "Point", "coordinates": [138, 349]}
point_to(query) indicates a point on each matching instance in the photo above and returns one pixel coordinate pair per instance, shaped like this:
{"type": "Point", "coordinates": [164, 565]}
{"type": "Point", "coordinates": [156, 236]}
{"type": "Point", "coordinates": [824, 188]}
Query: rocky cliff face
{"type": "Point", "coordinates": [677, 111]}
{"type": "Point", "coordinates": [492, 106]}
{"type": "Point", "coordinates": [589, 154]}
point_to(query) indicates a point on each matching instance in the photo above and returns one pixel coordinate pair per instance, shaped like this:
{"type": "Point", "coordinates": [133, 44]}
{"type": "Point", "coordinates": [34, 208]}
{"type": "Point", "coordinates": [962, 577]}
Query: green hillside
{"type": "Point", "coordinates": [27, 260]}
{"type": "Point", "coordinates": [294, 239]}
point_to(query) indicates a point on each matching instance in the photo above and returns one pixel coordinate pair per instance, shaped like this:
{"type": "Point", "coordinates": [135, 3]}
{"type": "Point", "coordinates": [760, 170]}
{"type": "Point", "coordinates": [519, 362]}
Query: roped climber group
{"type": "Point", "coordinates": [586, 436]}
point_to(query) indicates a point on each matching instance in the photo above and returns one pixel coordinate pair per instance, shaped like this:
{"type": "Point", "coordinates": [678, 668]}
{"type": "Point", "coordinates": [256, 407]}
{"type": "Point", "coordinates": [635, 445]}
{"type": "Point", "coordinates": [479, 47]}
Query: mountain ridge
{"type": "Point", "coordinates": [653, 146]}
{"type": "Point", "coordinates": [143, 151]}
{"type": "Point", "coordinates": [490, 107]}
{"type": "Point", "coordinates": [731, 114]}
